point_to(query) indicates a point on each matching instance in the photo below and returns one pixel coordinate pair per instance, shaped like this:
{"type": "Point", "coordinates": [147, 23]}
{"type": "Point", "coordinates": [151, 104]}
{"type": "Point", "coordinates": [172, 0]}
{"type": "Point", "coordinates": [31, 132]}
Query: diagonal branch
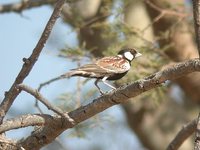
{"type": "Point", "coordinates": [43, 100]}
{"type": "Point", "coordinates": [27, 120]}
{"type": "Point", "coordinates": [24, 4]}
{"type": "Point", "coordinates": [46, 134]}
{"type": "Point", "coordinates": [27, 4]}
{"type": "Point", "coordinates": [29, 63]}
{"type": "Point", "coordinates": [182, 135]}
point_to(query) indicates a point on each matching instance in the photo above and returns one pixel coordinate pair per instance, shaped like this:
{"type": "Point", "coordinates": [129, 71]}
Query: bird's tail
{"type": "Point", "coordinates": [71, 73]}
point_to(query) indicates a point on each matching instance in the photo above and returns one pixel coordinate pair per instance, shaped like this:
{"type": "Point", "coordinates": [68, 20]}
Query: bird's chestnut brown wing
{"type": "Point", "coordinates": [91, 68]}
{"type": "Point", "coordinates": [114, 64]}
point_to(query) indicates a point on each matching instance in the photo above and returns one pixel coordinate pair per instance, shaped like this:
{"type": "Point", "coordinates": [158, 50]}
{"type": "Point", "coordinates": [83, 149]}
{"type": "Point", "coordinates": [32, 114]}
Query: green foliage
{"type": "Point", "coordinates": [71, 52]}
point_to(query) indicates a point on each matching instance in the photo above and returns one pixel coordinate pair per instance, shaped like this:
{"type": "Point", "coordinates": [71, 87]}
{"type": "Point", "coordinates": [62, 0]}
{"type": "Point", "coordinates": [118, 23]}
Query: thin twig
{"type": "Point", "coordinates": [39, 96]}
{"type": "Point", "coordinates": [95, 19]}
{"type": "Point", "coordinates": [44, 84]}
{"type": "Point", "coordinates": [29, 63]}
{"type": "Point", "coordinates": [23, 5]}
{"type": "Point", "coordinates": [182, 135]}
{"type": "Point", "coordinates": [50, 81]}
{"type": "Point", "coordinates": [63, 76]}
{"type": "Point", "coordinates": [27, 4]}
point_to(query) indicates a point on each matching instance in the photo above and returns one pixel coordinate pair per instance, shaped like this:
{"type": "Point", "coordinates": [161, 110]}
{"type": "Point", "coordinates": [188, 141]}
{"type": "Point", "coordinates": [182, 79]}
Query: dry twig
{"type": "Point", "coordinates": [43, 100]}
{"type": "Point", "coordinates": [182, 135]}
{"type": "Point", "coordinates": [24, 4]}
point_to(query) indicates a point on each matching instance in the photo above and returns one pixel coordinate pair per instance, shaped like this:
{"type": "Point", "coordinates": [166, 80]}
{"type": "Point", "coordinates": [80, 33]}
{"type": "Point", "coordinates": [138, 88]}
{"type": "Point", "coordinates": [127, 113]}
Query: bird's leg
{"type": "Point", "coordinates": [96, 84]}
{"type": "Point", "coordinates": [106, 83]}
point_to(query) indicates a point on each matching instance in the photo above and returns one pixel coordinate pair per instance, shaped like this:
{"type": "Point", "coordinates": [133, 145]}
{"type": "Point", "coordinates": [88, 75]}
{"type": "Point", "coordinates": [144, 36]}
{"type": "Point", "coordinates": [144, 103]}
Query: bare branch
{"type": "Point", "coordinates": [25, 121]}
{"type": "Point", "coordinates": [182, 135]}
{"type": "Point", "coordinates": [196, 14]}
{"type": "Point", "coordinates": [24, 4]}
{"type": "Point", "coordinates": [27, 4]}
{"type": "Point", "coordinates": [29, 63]}
{"type": "Point", "coordinates": [197, 139]}
{"type": "Point", "coordinates": [50, 81]}
{"type": "Point", "coordinates": [50, 131]}
{"type": "Point", "coordinates": [43, 100]}
{"type": "Point", "coordinates": [63, 76]}
{"type": "Point", "coordinates": [41, 86]}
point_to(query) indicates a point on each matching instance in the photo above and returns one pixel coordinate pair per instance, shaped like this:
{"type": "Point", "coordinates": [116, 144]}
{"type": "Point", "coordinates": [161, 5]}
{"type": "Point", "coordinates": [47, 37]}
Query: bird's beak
{"type": "Point", "coordinates": [138, 55]}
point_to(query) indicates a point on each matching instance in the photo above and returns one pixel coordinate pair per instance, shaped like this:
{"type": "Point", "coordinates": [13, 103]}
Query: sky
{"type": "Point", "coordinates": [19, 33]}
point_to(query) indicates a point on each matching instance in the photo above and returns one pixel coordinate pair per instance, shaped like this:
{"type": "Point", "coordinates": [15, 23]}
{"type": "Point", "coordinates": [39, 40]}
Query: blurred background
{"type": "Point", "coordinates": [162, 30]}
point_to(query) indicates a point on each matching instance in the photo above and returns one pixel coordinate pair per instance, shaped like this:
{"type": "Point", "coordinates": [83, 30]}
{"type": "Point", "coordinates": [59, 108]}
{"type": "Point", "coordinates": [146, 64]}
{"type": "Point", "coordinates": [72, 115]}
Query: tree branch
{"type": "Point", "coordinates": [24, 4]}
{"type": "Point", "coordinates": [27, 120]}
{"type": "Point", "coordinates": [27, 4]}
{"type": "Point", "coordinates": [182, 135]}
{"type": "Point", "coordinates": [196, 14]}
{"type": "Point", "coordinates": [43, 100]}
{"type": "Point", "coordinates": [29, 63]}
{"type": "Point", "coordinates": [46, 134]}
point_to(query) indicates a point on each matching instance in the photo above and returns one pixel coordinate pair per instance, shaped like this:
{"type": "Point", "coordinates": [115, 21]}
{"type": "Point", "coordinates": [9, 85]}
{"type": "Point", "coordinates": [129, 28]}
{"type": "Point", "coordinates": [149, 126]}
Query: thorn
{"type": "Point", "coordinates": [5, 93]}
{"type": "Point", "coordinates": [26, 60]}
{"type": "Point", "coordinates": [141, 86]}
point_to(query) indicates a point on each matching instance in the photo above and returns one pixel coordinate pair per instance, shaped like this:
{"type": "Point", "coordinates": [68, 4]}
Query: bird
{"type": "Point", "coordinates": [106, 68]}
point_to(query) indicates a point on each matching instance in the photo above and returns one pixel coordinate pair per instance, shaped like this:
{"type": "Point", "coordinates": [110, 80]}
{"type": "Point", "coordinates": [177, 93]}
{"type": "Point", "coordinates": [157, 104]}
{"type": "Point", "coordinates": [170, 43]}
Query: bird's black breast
{"type": "Point", "coordinates": [116, 76]}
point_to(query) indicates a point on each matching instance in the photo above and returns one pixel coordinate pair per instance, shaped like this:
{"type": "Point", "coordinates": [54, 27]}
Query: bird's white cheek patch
{"type": "Point", "coordinates": [128, 56]}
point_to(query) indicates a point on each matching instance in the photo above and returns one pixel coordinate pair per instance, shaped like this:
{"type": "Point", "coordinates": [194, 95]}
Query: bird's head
{"type": "Point", "coordinates": [129, 54]}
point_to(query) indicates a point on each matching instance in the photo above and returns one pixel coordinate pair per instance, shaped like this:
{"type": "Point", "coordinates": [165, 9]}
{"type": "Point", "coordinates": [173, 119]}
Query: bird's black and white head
{"type": "Point", "coordinates": [129, 54]}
